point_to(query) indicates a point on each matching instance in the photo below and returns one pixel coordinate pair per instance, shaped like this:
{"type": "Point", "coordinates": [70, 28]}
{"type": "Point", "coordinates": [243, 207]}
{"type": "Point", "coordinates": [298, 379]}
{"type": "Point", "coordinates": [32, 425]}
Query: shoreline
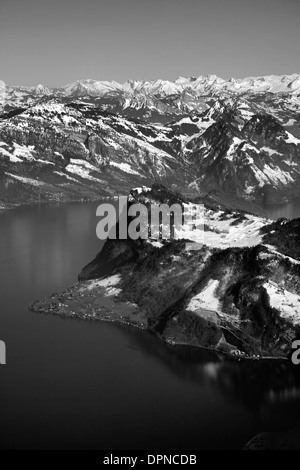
{"type": "Point", "coordinates": [216, 297]}
{"type": "Point", "coordinates": [10, 206]}
{"type": "Point", "coordinates": [56, 305]}
{"type": "Point", "coordinates": [55, 203]}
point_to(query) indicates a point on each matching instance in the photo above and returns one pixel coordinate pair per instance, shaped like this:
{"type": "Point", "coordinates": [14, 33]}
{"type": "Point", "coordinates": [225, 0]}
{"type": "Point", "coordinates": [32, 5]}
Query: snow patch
{"type": "Point", "coordinates": [270, 151]}
{"type": "Point", "coordinates": [206, 299]}
{"type": "Point", "coordinates": [109, 284]}
{"type": "Point", "coordinates": [232, 149]}
{"type": "Point", "coordinates": [155, 243]}
{"type": "Point", "coordinates": [287, 303]}
{"type": "Point", "coordinates": [11, 157]}
{"type": "Point", "coordinates": [82, 168]}
{"type": "Point", "coordinates": [124, 167]}
{"type": "Point", "coordinates": [30, 181]}
{"type": "Point", "coordinates": [143, 189]}
{"type": "Point", "coordinates": [291, 139]}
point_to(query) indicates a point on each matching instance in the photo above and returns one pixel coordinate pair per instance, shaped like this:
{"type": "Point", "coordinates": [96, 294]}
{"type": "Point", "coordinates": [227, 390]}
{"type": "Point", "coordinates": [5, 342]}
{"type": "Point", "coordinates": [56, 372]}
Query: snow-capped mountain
{"type": "Point", "coordinates": [246, 154]}
{"type": "Point", "coordinates": [239, 137]}
{"type": "Point", "coordinates": [155, 99]}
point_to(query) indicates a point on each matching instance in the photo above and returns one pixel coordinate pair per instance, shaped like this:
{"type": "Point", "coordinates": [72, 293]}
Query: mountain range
{"type": "Point", "coordinates": [232, 145]}
{"type": "Point", "coordinates": [236, 139]}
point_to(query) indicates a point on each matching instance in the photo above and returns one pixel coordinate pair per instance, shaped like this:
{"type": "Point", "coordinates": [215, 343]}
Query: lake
{"type": "Point", "coordinates": [290, 210]}
{"type": "Point", "coordinates": [71, 384]}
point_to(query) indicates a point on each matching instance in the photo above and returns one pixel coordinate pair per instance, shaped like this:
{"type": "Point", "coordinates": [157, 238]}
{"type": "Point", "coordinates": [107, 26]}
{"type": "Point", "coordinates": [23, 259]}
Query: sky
{"type": "Point", "coordinates": [55, 42]}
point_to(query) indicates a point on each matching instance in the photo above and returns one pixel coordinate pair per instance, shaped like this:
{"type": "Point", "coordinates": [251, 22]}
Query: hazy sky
{"type": "Point", "coordinates": [59, 41]}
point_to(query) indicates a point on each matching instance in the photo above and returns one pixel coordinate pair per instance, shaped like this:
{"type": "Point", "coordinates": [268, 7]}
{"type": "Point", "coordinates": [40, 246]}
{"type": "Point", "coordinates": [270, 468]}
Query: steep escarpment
{"type": "Point", "coordinates": [231, 293]}
{"type": "Point", "coordinates": [215, 299]}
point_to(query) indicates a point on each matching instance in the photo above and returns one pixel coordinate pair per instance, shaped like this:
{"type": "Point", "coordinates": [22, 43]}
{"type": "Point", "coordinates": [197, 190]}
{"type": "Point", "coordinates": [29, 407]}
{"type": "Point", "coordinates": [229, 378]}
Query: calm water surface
{"type": "Point", "coordinates": [72, 384]}
{"type": "Point", "coordinates": [290, 210]}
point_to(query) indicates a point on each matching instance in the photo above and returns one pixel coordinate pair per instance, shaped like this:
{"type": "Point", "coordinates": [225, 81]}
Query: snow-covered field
{"type": "Point", "coordinates": [206, 299]}
{"type": "Point", "coordinates": [29, 181]}
{"type": "Point", "coordinates": [286, 302]}
{"type": "Point", "coordinates": [225, 231]}
{"type": "Point", "coordinates": [82, 168]}
{"type": "Point", "coordinates": [291, 139]}
{"type": "Point", "coordinates": [108, 285]}
{"type": "Point", "coordinates": [124, 167]}
{"type": "Point", "coordinates": [20, 153]}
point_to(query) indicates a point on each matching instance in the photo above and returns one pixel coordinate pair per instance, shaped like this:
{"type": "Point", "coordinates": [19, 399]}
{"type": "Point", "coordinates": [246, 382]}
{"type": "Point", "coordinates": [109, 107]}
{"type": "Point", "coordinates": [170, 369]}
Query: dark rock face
{"type": "Point", "coordinates": [115, 253]}
{"type": "Point", "coordinates": [264, 126]}
{"type": "Point", "coordinates": [285, 235]}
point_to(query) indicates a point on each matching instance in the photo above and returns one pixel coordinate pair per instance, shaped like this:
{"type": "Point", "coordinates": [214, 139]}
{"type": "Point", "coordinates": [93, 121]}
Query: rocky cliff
{"type": "Point", "coordinates": [235, 293]}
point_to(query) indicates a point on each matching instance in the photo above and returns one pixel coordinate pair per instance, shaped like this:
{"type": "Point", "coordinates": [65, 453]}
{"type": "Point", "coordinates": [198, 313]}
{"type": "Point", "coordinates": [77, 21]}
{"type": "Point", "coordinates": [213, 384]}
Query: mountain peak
{"type": "Point", "coordinates": [42, 90]}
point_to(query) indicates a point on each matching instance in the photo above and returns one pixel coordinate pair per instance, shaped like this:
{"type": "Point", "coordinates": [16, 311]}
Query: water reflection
{"type": "Point", "coordinates": [255, 383]}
